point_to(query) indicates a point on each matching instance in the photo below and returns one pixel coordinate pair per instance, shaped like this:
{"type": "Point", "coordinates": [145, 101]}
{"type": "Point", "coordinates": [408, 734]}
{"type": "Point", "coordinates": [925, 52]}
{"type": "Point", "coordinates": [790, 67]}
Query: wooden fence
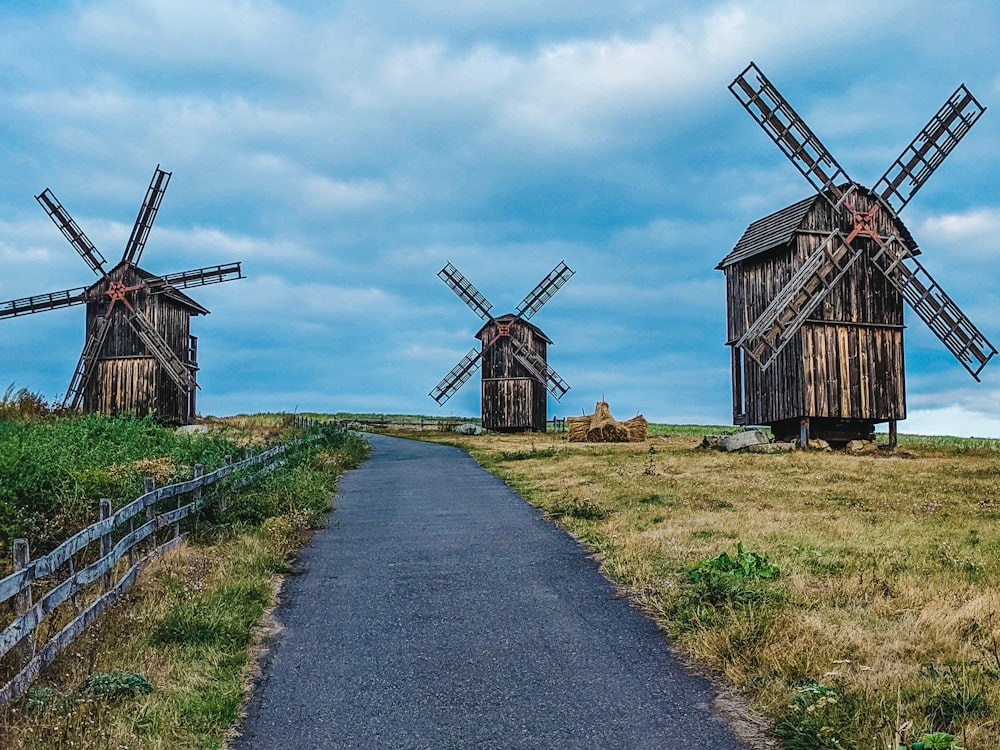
{"type": "Point", "coordinates": [95, 577]}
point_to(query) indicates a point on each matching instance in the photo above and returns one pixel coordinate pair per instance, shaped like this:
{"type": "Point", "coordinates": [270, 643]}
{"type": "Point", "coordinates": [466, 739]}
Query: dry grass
{"type": "Point", "coordinates": [890, 564]}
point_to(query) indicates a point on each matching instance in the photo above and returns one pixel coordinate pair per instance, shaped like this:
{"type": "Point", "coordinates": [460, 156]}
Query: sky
{"type": "Point", "coordinates": [346, 151]}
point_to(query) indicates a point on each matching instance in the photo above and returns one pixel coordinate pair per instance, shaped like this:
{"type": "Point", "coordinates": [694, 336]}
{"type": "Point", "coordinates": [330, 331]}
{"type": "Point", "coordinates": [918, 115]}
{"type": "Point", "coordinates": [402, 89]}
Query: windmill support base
{"type": "Point", "coordinates": [892, 434]}
{"type": "Point", "coordinates": [837, 432]}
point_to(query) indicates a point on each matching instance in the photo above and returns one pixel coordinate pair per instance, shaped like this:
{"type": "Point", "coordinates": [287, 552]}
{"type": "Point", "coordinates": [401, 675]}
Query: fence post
{"type": "Point", "coordinates": [106, 540]}
{"type": "Point", "coordinates": [22, 600]}
{"type": "Point", "coordinates": [148, 485]}
{"type": "Point", "coordinates": [222, 500]}
{"type": "Point", "coordinates": [199, 472]}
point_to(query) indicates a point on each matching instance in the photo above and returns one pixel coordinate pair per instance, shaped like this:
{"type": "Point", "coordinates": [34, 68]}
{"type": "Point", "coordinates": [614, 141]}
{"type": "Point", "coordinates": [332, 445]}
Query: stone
{"type": "Point", "coordinates": [818, 444]}
{"type": "Point", "coordinates": [712, 441]}
{"type": "Point", "coordinates": [469, 429]}
{"type": "Point", "coordinates": [862, 446]}
{"type": "Point", "coordinates": [742, 440]}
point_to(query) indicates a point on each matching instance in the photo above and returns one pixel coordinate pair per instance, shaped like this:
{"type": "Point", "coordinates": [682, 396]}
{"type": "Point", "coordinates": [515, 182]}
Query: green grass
{"type": "Point", "coordinates": [168, 667]}
{"type": "Point", "coordinates": [53, 471]}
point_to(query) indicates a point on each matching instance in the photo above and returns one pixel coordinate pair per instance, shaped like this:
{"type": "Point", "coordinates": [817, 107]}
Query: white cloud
{"type": "Point", "coordinates": [954, 421]}
{"type": "Point", "coordinates": [235, 33]}
{"type": "Point", "coordinates": [972, 231]}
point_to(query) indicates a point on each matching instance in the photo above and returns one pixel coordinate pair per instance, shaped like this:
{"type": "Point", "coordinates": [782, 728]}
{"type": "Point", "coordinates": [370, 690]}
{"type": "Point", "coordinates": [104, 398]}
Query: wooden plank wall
{"type": "Point", "coordinates": [847, 361]}
{"type": "Point", "coordinates": [128, 378]}
{"type": "Point", "coordinates": [512, 400]}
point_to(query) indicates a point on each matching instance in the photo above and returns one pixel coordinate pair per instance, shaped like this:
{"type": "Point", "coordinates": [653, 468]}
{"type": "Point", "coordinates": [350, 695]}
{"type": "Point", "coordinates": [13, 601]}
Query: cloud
{"type": "Point", "coordinates": [953, 420]}
{"type": "Point", "coordinates": [971, 233]}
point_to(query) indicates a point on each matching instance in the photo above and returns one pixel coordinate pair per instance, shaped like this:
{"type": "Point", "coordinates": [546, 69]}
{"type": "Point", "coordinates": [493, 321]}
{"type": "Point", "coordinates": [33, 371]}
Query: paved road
{"type": "Point", "coordinates": [439, 610]}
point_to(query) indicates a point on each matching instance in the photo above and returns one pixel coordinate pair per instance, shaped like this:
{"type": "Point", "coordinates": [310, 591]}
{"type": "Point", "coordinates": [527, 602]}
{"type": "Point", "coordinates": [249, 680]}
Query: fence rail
{"type": "Point", "coordinates": [18, 638]}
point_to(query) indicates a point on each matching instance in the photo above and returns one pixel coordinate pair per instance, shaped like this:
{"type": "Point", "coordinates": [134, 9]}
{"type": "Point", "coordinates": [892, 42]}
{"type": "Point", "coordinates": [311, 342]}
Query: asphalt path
{"type": "Point", "coordinates": [438, 609]}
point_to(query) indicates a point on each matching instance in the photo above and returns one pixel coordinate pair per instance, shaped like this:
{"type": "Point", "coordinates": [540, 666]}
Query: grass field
{"type": "Point", "coordinates": [852, 600]}
{"type": "Point", "coordinates": [167, 666]}
{"type": "Point", "coordinates": [845, 596]}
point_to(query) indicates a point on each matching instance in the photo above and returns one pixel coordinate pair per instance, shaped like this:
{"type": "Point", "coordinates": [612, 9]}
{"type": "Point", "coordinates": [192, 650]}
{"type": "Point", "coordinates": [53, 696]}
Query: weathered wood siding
{"type": "Point", "coordinates": [512, 399]}
{"type": "Point", "coordinates": [846, 361]}
{"type": "Point", "coordinates": [127, 378]}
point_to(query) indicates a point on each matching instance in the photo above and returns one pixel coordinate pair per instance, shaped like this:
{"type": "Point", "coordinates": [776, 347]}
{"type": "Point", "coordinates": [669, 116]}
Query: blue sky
{"type": "Point", "coordinates": [346, 152]}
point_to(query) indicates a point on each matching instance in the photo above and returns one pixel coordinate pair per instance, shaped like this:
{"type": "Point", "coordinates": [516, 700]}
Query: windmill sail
{"type": "Point", "coordinates": [41, 302]}
{"type": "Point", "coordinates": [81, 243]}
{"type": "Point", "coordinates": [540, 370]}
{"type": "Point", "coordinates": [924, 154]}
{"type": "Point", "coordinates": [466, 291]}
{"type": "Point", "coordinates": [455, 379]}
{"type": "Point", "coordinates": [783, 125]}
{"type": "Point", "coordinates": [542, 293]}
{"type": "Point", "coordinates": [803, 293]}
{"type": "Point", "coordinates": [84, 371]}
{"type": "Point", "coordinates": [929, 301]}
{"type": "Point", "coordinates": [147, 214]}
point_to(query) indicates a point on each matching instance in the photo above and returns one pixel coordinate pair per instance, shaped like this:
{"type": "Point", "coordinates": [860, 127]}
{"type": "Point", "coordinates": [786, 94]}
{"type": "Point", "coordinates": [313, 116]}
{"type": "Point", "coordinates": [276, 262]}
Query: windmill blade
{"type": "Point", "coordinates": [926, 152]}
{"type": "Point", "coordinates": [466, 291]}
{"type": "Point", "coordinates": [809, 285]}
{"type": "Point", "coordinates": [455, 379]}
{"type": "Point", "coordinates": [147, 214]}
{"type": "Point", "coordinates": [61, 218]}
{"type": "Point", "coordinates": [540, 370]}
{"type": "Point", "coordinates": [196, 277]}
{"type": "Point", "coordinates": [930, 302]}
{"type": "Point", "coordinates": [86, 366]}
{"type": "Point", "coordinates": [542, 293]}
{"type": "Point", "coordinates": [42, 302]}
{"type": "Point", "coordinates": [783, 125]}
{"type": "Point", "coordinates": [180, 373]}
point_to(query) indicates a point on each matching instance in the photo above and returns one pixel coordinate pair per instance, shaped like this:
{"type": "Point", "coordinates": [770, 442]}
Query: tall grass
{"type": "Point", "coordinates": [54, 471]}
{"type": "Point", "coordinates": [168, 666]}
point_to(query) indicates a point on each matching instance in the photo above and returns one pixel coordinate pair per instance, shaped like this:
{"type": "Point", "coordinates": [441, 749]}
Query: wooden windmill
{"type": "Point", "coordinates": [516, 373]}
{"type": "Point", "coordinates": [139, 354]}
{"type": "Point", "coordinates": [815, 290]}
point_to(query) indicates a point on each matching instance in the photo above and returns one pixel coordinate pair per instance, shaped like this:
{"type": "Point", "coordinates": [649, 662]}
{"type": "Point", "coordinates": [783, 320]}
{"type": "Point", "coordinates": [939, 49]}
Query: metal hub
{"type": "Point", "coordinates": [864, 224]}
{"type": "Point", "coordinates": [117, 291]}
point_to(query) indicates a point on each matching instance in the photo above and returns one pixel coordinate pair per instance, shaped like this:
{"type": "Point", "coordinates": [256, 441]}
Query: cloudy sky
{"type": "Point", "coordinates": [346, 151]}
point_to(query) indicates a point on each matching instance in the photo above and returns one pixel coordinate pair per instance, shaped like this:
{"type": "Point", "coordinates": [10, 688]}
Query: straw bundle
{"type": "Point", "coordinates": [601, 427]}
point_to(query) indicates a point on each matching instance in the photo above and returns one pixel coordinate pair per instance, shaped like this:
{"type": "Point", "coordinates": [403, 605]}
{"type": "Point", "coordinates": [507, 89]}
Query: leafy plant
{"type": "Point", "coordinates": [746, 565]}
{"type": "Point", "coordinates": [116, 684]}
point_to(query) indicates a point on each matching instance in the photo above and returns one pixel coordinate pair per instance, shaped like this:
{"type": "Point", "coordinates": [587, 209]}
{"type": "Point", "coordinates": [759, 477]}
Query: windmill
{"type": "Point", "coordinates": [516, 374]}
{"type": "Point", "coordinates": [815, 290]}
{"type": "Point", "coordinates": [139, 354]}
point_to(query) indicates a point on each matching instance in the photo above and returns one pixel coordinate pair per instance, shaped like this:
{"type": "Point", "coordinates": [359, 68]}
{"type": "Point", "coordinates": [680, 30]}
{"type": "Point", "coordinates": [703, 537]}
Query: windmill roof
{"type": "Point", "coordinates": [778, 229]}
{"type": "Point", "coordinates": [171, 293]}
{"type": "Point", "coordinates": [511, 317]}
{"type": "Point", "coordinates": [771, 231]}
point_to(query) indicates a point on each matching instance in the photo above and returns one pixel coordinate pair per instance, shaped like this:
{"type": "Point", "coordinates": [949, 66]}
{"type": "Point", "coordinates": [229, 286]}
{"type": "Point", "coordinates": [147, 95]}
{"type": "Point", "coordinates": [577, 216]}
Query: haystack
{"type": "Point", "coordinates": [601, 427]}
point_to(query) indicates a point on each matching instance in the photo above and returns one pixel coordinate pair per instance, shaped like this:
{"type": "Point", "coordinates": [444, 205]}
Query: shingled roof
{"type": "Point", "coordinates": [777, 229]}
{"type": "Point", "coordinates": [772, 231]}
